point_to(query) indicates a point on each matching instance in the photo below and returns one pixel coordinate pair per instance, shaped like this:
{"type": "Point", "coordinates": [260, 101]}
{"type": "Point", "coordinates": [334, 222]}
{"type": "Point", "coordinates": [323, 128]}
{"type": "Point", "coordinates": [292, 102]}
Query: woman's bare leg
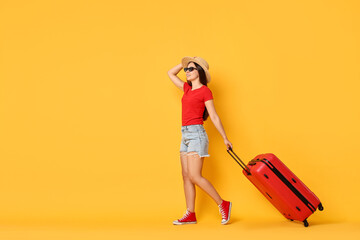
{"type": "Point", "coordinates": [194, 166]}
{"type": "Point", "coordinates": [189, 187]}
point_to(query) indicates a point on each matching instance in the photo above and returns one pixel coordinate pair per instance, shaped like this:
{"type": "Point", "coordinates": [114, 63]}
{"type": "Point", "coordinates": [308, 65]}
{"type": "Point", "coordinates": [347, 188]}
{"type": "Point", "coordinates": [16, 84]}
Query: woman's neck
{"type": "Point", "coordinates": [196, 84]}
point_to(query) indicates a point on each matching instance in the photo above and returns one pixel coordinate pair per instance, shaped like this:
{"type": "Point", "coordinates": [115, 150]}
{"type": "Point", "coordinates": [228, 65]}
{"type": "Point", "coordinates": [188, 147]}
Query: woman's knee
{"type": "Point", "coordinates": [186, 176]}
{"type": "Point", "coordinates": [195, 178]}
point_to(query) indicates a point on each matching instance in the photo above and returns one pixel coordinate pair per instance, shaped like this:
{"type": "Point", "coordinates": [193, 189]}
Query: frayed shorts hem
{"type": "Point", "coordinates": [197, 153]}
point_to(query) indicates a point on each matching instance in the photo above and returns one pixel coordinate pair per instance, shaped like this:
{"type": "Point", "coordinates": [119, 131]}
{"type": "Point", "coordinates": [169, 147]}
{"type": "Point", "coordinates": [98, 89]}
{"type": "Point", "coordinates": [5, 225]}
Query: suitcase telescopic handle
{"type": "Point", "coordinates": [238, 160]}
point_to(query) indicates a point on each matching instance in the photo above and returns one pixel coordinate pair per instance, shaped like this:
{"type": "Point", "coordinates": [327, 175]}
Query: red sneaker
{"type": "Point", "coordinates": [188, 218]}
{"type": "Point", "coordinates": [225, 209]}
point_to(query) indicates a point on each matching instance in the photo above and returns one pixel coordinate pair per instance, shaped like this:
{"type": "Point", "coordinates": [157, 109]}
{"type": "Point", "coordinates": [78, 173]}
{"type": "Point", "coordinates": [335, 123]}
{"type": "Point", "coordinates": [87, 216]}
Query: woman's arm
{"type": "Point", "coordinates": [217, 122]}
{"type": "Point", "coordinates": [175, 79]}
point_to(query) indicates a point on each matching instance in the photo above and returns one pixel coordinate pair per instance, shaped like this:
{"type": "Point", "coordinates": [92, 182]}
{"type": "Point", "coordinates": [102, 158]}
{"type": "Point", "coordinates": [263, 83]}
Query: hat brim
{"type": "Point", "coordinates": [185, 61]}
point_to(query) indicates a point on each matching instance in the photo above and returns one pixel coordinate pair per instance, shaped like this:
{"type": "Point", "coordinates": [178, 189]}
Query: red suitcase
{"type": "Point", "coordinates": [280, 186]}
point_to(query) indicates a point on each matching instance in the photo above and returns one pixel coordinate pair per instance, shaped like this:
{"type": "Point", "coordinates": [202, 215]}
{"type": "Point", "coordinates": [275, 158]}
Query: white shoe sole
{"type": "Point", "coordinates": [182, 223]}
{"type": "Point", "coordinates": [227, 220]}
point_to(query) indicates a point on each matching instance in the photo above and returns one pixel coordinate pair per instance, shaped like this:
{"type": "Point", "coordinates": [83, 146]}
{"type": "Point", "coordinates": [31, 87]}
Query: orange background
{"type": "Point", "coordinates": [90, 121]}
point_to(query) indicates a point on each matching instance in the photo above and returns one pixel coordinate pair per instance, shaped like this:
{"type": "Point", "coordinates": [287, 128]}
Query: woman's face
{"type": "Point", "coordinates": [191, 76]}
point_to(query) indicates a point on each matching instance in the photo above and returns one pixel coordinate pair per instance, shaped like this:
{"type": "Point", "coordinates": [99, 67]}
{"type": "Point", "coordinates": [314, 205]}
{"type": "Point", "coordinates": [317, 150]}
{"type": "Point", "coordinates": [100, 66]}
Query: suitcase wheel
{"type": "Point", "coordinates": [320, 207]}
{"type": "Point", "coordinates": [306, 224]}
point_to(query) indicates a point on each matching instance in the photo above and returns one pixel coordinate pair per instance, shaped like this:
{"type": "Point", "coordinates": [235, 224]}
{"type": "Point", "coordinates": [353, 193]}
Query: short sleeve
{"type": "Point", "coordinates": [207, 94]}
{"type": "Point", "coordinates": [186, 87]}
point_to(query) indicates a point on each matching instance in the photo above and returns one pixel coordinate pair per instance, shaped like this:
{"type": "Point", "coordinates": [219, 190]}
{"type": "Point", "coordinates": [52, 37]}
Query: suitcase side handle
{"type": "Point", "coordinates": [241, 163]}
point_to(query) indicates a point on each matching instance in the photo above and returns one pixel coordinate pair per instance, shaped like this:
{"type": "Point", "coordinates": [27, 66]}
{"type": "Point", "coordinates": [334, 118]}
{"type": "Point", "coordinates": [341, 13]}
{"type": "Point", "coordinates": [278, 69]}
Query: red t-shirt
{"type": "Point", "coordinates": [193, 104]}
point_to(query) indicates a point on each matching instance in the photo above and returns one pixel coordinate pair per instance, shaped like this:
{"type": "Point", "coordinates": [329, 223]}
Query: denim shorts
{"type": "Point", "coordinates": [194, 139]}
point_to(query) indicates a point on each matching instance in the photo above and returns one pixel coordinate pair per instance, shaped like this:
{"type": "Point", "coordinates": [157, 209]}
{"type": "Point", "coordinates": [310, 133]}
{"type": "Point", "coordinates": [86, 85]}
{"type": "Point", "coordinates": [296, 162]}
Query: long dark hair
{"type": "Point", "coordinates": [203, 81]}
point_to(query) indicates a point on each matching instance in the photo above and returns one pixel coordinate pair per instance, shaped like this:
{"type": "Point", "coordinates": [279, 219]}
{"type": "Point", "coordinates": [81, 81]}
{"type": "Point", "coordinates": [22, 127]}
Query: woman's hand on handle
{"type": "Point", "coordinates": [228, 144]}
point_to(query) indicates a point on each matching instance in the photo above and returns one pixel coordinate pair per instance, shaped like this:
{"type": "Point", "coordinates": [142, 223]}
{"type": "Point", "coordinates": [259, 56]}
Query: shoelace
{"type": "Point", "coordinates": [222, 211]}
{"type": "Point", "coordinates": [185, 216]}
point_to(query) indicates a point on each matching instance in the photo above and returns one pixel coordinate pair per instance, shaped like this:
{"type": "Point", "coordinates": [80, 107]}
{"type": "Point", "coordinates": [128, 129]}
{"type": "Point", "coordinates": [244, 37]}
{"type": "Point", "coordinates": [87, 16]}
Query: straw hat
{"type": "Point", "coordinates": [199, 61]}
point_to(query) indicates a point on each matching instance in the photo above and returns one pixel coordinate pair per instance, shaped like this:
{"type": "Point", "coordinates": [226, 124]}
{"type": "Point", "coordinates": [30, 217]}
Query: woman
{"type": "Point", "coordinates": [197, 105]}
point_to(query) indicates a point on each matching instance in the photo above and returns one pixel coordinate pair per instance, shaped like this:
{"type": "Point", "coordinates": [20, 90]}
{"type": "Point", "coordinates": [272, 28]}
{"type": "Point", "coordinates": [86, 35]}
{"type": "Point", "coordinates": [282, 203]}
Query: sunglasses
{"type": "Point", "coordinates": [190, 69]}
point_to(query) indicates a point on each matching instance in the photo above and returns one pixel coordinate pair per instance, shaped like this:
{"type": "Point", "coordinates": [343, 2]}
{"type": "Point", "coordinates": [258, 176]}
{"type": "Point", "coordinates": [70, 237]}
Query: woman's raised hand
{"type": "Point", "coordinates": [175, 79]}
